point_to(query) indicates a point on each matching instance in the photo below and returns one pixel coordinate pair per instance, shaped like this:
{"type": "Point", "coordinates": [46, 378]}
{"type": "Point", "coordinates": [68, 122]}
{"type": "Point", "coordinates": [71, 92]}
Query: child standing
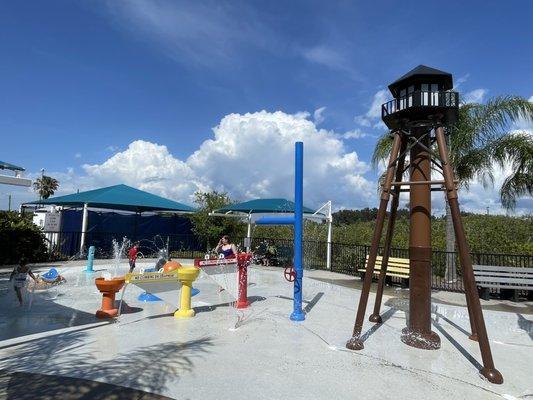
{"type": "Point", "coordinates": [132, 256]}
{"type": "Point", "coordinates": [20, 274]}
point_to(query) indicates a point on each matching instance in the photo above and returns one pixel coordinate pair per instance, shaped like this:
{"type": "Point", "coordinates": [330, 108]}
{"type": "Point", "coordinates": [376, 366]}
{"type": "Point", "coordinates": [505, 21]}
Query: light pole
{"type": "Point", "coordinates": [41, 186]}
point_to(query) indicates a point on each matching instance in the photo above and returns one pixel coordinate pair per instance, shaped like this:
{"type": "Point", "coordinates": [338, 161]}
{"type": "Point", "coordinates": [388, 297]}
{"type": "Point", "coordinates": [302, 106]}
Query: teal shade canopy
{"type": "Point", "coordinates": [263, 206]}
{"type": "Point", "coordinates": [118, 197]}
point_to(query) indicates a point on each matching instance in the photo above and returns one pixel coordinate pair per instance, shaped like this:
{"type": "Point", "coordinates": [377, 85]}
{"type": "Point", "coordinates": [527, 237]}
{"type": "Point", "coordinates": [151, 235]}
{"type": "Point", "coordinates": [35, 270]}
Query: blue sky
{"type": "Point", "coordinates": [80, 81]}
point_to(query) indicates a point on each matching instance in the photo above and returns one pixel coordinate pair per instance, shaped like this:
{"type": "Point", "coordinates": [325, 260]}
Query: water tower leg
{"type": "Point", "coordinates": [355, 343]}
{"type": "Point", "coordinates": [489, 371]}
{"type": "Point", "coordinates": [375, 317]}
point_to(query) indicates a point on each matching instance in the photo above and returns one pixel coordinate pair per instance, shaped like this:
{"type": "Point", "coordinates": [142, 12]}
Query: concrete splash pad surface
{"type": "Point", "coordinates": [258, 353]}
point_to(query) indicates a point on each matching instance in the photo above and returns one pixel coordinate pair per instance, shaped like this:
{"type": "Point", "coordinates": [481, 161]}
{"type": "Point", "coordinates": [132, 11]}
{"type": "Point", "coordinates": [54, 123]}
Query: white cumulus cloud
{"type": "Point", "coordinates": [252, 155]}
{"type": "Point", "coordinates": [249, 156]}
{"type": "Point", "coordinates": [147, 166]}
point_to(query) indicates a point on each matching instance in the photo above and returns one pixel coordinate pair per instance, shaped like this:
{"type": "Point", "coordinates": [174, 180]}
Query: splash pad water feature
{"type": "Point", "coordinates": [230, 273]}
{"type": "Point", "coordinates": [109, 289]}
{"type": "Point", "coordinates": [109, 284]}
{"type": "Point", "coordinates": [167, 282]}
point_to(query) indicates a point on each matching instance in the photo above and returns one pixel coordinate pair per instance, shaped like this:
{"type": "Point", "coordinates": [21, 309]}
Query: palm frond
{"type": "Point", "coordinates": [516, 149]}
{"type": "Point", "coordinates": [382, 150]}
{"type": "Point", "coordinates": [493, 119]}
{"type": "Point", "coordinates": [516, 185]}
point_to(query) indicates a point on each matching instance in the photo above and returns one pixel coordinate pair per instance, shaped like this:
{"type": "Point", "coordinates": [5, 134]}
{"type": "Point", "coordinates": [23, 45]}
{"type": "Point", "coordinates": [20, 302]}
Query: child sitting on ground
{"type": "Point", "coordinates": [20, 273]}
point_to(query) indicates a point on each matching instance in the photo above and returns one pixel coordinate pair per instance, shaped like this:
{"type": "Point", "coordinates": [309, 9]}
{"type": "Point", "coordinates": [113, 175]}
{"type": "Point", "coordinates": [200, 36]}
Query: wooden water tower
{"type": "Point", "coordinates": [424, 105]}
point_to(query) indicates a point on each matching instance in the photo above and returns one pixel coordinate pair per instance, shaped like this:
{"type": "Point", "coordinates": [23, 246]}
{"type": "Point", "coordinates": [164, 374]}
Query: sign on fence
{"type": "Point", "coordinates": [52, 222]}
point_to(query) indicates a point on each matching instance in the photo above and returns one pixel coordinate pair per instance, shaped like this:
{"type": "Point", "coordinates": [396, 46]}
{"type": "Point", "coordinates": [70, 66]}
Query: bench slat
{"type": "Point", "coordinates": [399, 270]}
{"type": "Point", "coordinates": [398, 267]}
{"type": "Point", "coordinates": [507, 280]}
{"type": "Point", "coordinates": [392, 270]}
{"type": "Point", "coordinates": [392, 260]}
{"type": "Point", "coordinates": [504, 286]}
{"type": "Point", "coordinates": [389, 272]}
{"type": "Point", "coordinates": [402, 267]}
{"type": "Point", "coordinates": [505, 274]}
{"type": "Point", "coordinates": [494, 268]}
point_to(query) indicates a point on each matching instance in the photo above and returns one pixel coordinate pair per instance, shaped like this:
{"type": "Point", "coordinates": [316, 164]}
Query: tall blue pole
{"type": "Point", "coordinates": [298, 314]}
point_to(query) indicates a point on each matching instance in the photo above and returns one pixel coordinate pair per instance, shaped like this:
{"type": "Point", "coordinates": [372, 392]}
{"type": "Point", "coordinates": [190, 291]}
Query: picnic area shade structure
{"type": "Point", "coordinates": [247, 209]}
{"type": "Point", "coordinates": [117, 197]}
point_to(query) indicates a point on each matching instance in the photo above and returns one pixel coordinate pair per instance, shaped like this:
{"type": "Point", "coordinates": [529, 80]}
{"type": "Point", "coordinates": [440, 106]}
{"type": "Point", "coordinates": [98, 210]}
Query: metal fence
{"type": "Point", "coordinates": [346, 258]}
{"type": "Point", "coordinates": [350, 259]}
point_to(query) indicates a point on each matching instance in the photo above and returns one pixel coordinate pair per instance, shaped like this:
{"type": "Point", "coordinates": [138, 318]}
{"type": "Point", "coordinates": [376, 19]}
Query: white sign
{"type": "Point", "coordinates": [52, 222]}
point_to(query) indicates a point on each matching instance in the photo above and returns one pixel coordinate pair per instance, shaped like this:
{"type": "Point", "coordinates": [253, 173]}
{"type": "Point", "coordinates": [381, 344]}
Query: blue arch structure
{"type": "Point", "coordinates": [297, 222]}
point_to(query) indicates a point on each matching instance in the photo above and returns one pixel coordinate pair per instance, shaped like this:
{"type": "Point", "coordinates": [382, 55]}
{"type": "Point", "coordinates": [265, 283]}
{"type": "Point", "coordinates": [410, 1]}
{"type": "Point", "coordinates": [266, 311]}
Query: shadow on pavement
{"type": "Point", "coordinates": [71, 355]}
{"type": "Point", "coordinates": [30, 386]}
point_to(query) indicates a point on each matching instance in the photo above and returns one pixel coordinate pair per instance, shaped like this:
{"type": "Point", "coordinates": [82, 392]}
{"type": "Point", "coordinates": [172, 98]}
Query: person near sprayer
{"type": "Point", "coordinates": [132, 256]}
{"type": "Point", "coordinates": [270, 254]}
{"type": "Point", "coordinates": [18, 276]}
{"type": "Point", "coordinates": [225, 247]}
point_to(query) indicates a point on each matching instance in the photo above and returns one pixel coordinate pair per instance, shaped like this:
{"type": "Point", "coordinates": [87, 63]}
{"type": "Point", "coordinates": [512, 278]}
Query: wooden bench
{"type": "Point", "coordinates": [502, 278]}
{"type": "Point", "coordinates": [398, 267]}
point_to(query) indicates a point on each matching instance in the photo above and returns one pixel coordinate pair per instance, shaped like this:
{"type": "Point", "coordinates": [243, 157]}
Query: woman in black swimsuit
{"type": "Point", "coordinates": [225, 247]}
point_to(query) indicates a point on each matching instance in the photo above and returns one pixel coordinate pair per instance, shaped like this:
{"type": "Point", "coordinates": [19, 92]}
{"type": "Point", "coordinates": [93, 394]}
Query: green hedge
{"type": "Point", "coordinates": [485, 233]}
{"type": "Point", "coordinates": [20, 238]}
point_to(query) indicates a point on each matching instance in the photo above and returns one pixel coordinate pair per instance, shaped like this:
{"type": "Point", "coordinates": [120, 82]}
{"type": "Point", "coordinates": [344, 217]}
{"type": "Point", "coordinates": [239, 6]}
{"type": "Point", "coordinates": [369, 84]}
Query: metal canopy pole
{"type": "Point", "coordinates": [84, 224]}
{"type": "Point", "coordinates": [330, 223]}
{"type": "Point", "coordinates": [249, 233]}
{"type": "Point", "coordinates": [328, 217]}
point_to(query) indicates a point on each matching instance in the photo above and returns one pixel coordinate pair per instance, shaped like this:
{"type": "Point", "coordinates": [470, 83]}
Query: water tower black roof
{"type": "Point", "coordinates": [420, 73]}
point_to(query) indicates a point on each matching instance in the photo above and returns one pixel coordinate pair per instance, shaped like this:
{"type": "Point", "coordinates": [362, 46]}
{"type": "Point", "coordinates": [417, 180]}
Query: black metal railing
{"type": "Point", "coordinates": [350, 259]}
{"type": "Point", "coordinates": [420, 98]}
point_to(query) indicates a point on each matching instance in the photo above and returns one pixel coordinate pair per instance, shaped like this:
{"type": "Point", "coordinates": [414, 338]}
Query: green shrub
{"type": "Point", "coordinates": [20, 237]}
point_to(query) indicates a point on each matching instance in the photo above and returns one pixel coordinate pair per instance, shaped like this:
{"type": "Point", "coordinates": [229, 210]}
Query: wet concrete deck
{"type": "Point", "coordinates": [257, 353]}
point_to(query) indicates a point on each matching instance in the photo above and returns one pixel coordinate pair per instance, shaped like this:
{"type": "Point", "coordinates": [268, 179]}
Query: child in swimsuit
{"type": "Point", "coordinates": [19, 275]}
{"type": "Point", "coordinates": [132, 256]}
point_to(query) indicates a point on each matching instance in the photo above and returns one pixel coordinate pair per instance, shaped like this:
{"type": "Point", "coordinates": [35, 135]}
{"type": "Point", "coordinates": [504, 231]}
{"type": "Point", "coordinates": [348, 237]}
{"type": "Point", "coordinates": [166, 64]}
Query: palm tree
{"type": "Point", "coordinates": [45, 186]}
{"type": "Point", "coordinates": [480, 140]}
